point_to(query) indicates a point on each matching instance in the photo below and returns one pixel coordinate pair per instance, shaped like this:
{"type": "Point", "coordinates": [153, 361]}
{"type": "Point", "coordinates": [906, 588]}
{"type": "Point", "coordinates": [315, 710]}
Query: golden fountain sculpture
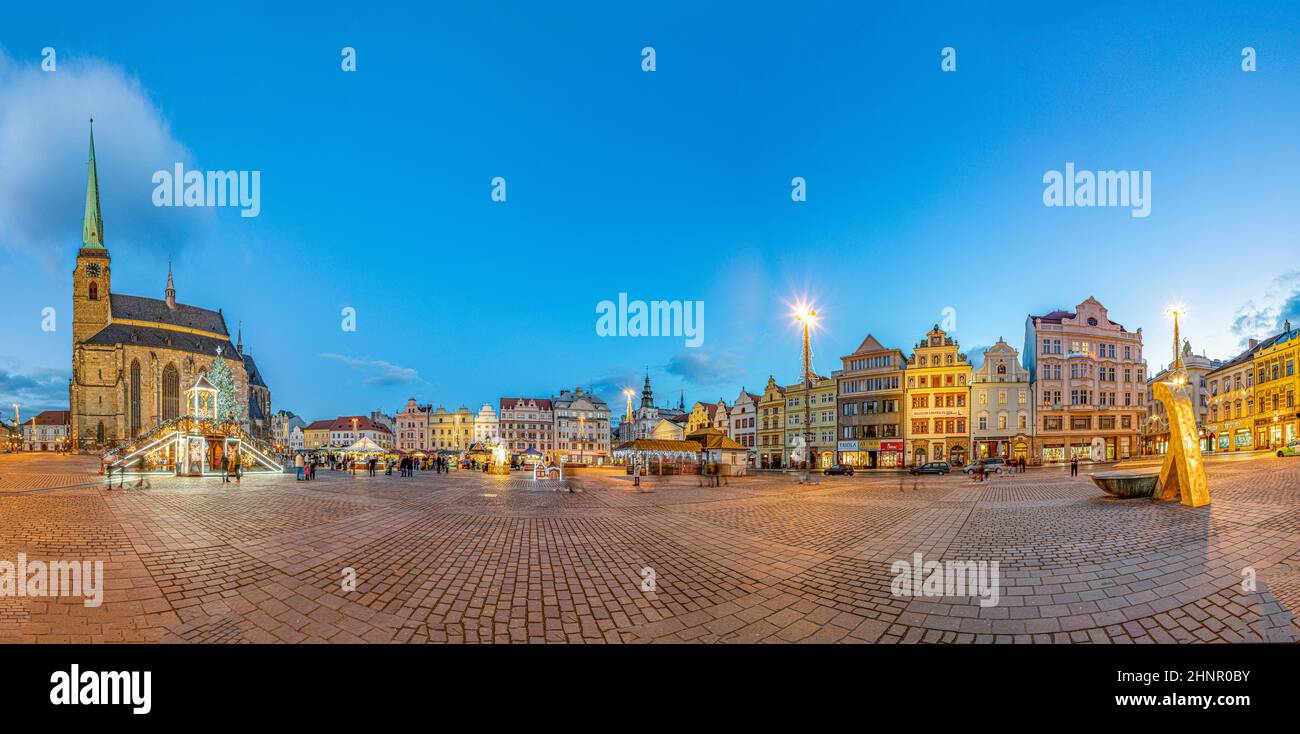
{"type": "Point", "coordinates": [1183, 473]}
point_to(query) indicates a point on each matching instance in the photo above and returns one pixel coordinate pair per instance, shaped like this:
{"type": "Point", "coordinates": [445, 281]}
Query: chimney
{"type": "Point", "coordinates": [1254, 343]}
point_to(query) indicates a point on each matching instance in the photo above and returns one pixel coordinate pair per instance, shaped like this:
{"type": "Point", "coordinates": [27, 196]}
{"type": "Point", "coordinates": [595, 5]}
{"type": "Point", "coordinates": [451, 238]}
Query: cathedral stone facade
{"type": "Point", "coordinates": [133, 357]}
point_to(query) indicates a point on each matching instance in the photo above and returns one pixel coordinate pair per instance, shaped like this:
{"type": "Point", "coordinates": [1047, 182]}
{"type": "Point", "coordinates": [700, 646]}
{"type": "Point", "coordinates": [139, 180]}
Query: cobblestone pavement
{"type": "Point", "coordinates": [23, 472]}
{"type": "Point", "coordinates": [468, 557]}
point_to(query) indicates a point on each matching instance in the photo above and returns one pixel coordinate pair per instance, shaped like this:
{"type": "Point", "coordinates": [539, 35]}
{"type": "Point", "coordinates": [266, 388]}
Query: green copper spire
{"type": "Point", "coordinates": [92, 229]}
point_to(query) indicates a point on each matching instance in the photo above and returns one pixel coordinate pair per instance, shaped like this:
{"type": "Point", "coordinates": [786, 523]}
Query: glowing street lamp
{"type": "Point", "coordinates": [806, 315]}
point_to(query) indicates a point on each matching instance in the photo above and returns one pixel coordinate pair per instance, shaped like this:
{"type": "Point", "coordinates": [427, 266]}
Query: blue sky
{"type": "Point", "coordinates": [924, 187]}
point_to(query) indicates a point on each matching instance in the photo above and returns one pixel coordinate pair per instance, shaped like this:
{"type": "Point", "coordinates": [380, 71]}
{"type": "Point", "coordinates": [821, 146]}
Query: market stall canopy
{"type": "Point", "coordinates": [365, 445]}
{"type": "Point", "coordinates": [532, 452]}
{"type": "Point", "coordinates": [661, 445]}
{"type": "Point", "coordinates": [712, 438]}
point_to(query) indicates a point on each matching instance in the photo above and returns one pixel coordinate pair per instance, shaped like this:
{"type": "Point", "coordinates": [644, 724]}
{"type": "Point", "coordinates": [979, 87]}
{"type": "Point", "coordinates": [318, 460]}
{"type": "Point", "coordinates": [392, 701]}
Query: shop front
{"type": "Point", "coordinates": [890, 455]}
{"type": "Point", "coordinates": [855, 454]}
{"type": "Point", "coordinates": [1020, 448]}
{"type": "Point", "coordinates": [872, 453]}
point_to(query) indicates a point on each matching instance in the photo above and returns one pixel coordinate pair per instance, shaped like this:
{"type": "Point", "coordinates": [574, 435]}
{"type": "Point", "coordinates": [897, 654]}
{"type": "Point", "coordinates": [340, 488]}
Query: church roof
{"type": "Point", "coordinates": [255, 408]}
{"type": "Point", "coordinates": [52, 418]}
{"type": "Point", "coordinates": [139, 308]}
{"type": "Point", "coordinates": [159, 338]}
{"type": "Point", "coordinates": [254, 375]}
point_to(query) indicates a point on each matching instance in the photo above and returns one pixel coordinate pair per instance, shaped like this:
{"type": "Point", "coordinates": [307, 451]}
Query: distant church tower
{"type": "Point", "coordinates": [91, 280]}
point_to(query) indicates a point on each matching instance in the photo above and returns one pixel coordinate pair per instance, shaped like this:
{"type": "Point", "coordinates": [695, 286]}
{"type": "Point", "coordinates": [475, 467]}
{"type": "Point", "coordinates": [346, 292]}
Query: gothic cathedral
{"type": "Point", "coordinates": [133, 357]}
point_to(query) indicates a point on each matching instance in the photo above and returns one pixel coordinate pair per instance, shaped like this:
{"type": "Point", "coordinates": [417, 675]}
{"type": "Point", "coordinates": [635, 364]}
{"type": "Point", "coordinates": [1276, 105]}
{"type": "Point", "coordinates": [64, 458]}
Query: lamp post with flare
{"type": "Point", "coordinates": [808, 317]}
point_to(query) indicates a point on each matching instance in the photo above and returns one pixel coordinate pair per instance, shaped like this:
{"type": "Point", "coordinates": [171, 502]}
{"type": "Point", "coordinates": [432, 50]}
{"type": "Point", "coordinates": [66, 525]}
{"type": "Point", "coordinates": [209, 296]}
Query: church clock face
{"type": "Point", "coordinates": [92, 270]}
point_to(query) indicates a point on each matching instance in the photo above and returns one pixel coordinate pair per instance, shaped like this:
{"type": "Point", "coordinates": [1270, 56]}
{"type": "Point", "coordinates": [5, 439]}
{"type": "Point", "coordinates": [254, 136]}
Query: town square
{"type": "Point", "coordinates": [480, 558]}
{"type": "Point", "coordinates": [406, 360]}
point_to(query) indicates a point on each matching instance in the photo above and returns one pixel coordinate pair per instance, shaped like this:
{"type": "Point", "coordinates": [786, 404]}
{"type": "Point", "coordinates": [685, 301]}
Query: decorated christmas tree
{"type": "Point", "coordinates": [223, 380]}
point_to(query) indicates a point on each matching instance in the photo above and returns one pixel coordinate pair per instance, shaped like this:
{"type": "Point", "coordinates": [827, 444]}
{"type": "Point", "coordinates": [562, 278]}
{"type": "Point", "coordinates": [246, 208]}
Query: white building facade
{"type": "Point", "coordinates": [743, 424]}
{"type": "Point", "coordinates": [581, 428]}
{"type": "Point", "coordinates": [1002, 406]}
{"type": "Point", "coordinates": [486, 425]}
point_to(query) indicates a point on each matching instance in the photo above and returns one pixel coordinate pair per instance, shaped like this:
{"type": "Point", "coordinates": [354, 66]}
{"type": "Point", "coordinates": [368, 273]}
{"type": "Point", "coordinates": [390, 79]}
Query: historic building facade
{"type": "Point", "coordinates": [282, 425]}
{"type": "Point", "coordinates": [709, 415]}
{"type": "Point", "coordinates": [1277, 419]}
{"type": "Point", "coordinates": [821, 418]}
{"type": "Point", "coordinates": [1231, 390]}
{"type": "Point", "coordinates": [486, 425]}
{"type": "Point", "coordinates": [581, 427]}
{"type": "Point", "coordinates": [1002, 406]}
{"type": "Point", "coordinates": [743, 424]}
{"type": "Point", "coordinates": [1089, 383]}
{"type": "Point", "coordinates": [451, 430]}
{"type": "Point", "coordinates": [49, 430]}
{"type": "Point", "coordinates": [131, 355]}
{"type": "Point", "coordinates": [936, 402]}
{"type": "Point", "coordinates": [412, 426]}
{"type": "Point", "coordinates": [771, 427]}
{"type": "Point", "coordinates": [527, 423]}
{"type": "Point", "coordinates": [345, 430]}
{"type": "Point", "coordinates": [870, 405]}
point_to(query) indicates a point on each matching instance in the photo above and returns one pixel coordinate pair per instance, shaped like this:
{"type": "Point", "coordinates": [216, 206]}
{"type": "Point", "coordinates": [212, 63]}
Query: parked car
{"type": "Point", "coordinates": [838, 469]}
{"type": "Point", "coordinates": [1291, 449]}
{"type": "Point", "coordinates": [992, 465]}
{"type": "Point", "coordinates": [932, 467]}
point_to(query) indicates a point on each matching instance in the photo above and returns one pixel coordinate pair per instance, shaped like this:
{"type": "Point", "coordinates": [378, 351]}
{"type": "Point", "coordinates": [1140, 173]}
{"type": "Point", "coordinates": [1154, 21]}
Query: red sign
{"type": "Point", "coordinates": [891, 445]}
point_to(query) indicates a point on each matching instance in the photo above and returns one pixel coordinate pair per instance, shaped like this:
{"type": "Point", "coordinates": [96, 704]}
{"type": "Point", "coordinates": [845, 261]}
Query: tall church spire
{"type": "Point", "coordinates": [92, 229]}
{"type": "Point", "coordinates": [647, 395]}
{"type": "Point", "coordinates": [239, 344]}
{"type": "Point", "coordinates": [170, 294]}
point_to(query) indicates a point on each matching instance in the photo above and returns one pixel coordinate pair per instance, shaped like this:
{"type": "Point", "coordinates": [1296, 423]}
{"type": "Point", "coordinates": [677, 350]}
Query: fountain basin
{"type": "Point", "coordinates": [1127, 485]}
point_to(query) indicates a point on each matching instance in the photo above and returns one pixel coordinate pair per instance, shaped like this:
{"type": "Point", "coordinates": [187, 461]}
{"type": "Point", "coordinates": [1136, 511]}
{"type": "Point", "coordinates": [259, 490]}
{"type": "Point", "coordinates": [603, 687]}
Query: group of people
{"type": "Point", "coordinates": [306, 467]}
{"type": "Point", "coordinates": [406, 466]}
{"type": "Point", "coordinates": [233, 466]}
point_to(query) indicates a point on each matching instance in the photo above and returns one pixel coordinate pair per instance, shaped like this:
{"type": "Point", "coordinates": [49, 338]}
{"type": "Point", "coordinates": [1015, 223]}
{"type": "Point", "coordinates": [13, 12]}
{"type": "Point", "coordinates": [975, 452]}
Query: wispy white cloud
{"type": "Point", "coordinates": [1266, 317]}
{"type": "Point", "coordinates": [381, 373]}
{"type": "Point", "coordinates": [702, 368]}
{"type": "Point", "coordinates": [34, 390]}
{"type": "Point", "coordinates": [44, 141]}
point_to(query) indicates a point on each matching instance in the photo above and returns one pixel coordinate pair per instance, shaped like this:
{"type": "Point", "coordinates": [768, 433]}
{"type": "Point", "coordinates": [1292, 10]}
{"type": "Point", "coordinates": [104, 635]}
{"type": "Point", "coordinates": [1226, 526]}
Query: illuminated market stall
{"type": "Point", "coordinates": [193, 445]}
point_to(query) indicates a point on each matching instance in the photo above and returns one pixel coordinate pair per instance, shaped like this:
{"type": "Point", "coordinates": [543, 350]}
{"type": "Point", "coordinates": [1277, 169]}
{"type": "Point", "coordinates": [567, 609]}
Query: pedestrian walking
{"type": "Point", "coordinates": [1074, 466]}
{"type": "Point", "coordinates": [298, 463]}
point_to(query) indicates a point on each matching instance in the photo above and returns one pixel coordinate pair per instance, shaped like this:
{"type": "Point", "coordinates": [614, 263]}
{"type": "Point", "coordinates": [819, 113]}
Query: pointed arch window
{"type": "Point", "coordinates": [171, 397]}
{"type": "Point", "coordinates": [134, 409]}
{"type": "Point", "coordinates": [92, 292]}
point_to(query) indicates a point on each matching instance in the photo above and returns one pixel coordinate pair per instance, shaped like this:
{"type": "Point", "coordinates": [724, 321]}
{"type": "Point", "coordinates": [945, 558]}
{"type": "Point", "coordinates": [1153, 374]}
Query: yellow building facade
{"type": "Point", "coordinates": [936, 402]}
{"type": "Point", "coordinates": [1231, 395]}
{"type": "Point", "coordinates": [770, 428]}
{"type": "Point", "coordinates": [822, 417]}
{"type": "Point", "coordinates": [1277, 418]}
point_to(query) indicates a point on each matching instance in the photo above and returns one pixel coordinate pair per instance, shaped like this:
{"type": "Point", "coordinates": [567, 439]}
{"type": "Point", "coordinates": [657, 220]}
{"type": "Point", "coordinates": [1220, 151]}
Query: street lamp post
{"type": "Point", "coordinates": [807, 316]}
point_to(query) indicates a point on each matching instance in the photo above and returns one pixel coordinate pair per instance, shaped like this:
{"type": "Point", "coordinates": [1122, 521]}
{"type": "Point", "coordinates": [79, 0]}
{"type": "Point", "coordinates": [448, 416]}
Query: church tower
{"type": "Point", "coordinates": [90, 281]}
